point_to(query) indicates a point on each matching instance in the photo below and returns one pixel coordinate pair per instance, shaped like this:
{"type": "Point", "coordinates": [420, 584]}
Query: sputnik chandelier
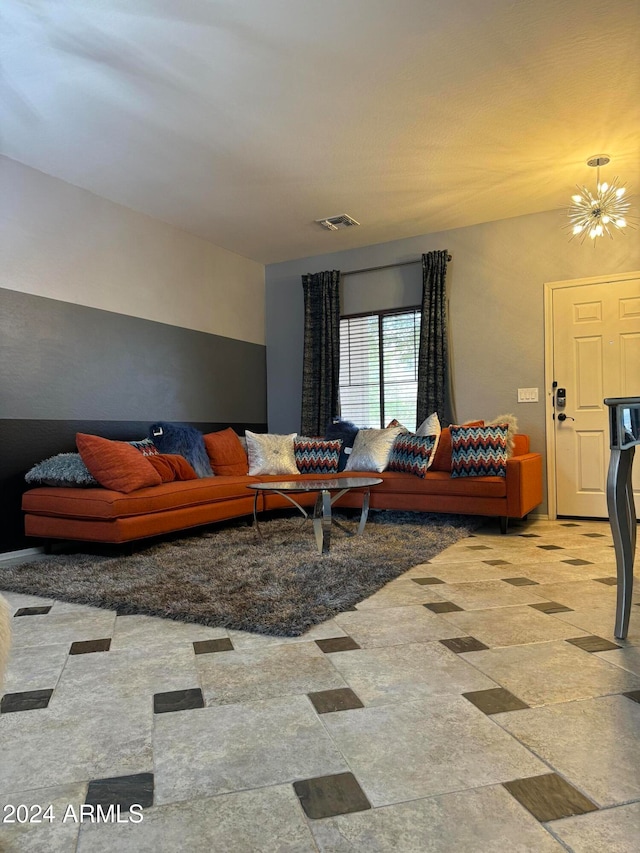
{"type": "Point", "coordinates": [603, 212]}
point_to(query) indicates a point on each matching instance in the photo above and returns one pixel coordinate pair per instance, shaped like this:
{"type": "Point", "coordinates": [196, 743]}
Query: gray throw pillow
{"type": "Point", "coordinates": [65, 469]}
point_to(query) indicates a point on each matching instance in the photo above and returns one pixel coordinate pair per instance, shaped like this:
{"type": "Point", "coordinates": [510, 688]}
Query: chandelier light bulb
{"type": "Point", "coordinates": [604, 211]}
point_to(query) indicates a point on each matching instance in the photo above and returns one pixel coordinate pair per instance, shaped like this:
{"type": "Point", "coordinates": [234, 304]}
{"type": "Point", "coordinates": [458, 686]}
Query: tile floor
{"type": "Point", "coordinates": [478, 703]}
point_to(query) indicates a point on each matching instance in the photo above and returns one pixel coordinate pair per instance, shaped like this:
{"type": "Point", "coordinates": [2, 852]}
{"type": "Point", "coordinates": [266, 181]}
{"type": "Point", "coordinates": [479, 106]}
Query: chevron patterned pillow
{"type": "Point", "coordinates": [412, 454]}
{"type": "Point", "coordinates": [317, 455]}
{"type": "Point", "coordinates": [479, 451]}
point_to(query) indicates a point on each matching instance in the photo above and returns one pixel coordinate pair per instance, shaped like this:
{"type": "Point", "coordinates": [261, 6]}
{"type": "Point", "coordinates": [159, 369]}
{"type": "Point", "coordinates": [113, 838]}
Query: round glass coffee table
{"type": "Point", "coordinates": [329, 491]}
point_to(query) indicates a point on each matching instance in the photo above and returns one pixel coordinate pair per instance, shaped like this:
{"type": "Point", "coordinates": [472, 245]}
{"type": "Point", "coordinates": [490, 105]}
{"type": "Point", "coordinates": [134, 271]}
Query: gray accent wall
{"type": "Point", "coordinates": [63, 361]}
{"type": "Point", "coordinates": [496, 285]}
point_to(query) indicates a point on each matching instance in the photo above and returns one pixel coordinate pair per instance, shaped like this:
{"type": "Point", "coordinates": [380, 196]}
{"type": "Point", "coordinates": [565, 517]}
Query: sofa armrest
{"type": "Point", "coordinates": [524, 484]}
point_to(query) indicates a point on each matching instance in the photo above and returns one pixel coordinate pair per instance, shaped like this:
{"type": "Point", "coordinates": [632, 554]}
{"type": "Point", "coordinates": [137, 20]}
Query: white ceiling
{"type": "Point", "coordinates": [243, 121]}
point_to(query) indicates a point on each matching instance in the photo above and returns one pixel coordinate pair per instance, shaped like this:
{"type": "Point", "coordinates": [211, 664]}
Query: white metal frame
{"type": "Point", "coordinates": [549, 288]}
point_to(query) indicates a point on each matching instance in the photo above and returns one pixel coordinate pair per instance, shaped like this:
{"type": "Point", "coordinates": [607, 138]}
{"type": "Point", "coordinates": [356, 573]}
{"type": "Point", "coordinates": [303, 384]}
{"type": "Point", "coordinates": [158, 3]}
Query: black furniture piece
{"type": "Point", "coordinates": [624, 435]}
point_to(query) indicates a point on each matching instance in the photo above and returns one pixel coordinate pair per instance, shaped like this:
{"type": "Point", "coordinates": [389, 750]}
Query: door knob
{"type": "Point", "coordinates": [563, 417]}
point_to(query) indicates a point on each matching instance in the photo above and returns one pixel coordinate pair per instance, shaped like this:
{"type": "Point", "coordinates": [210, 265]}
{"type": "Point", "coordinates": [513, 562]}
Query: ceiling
{"type": "Point", "coordinates": [243, 121]}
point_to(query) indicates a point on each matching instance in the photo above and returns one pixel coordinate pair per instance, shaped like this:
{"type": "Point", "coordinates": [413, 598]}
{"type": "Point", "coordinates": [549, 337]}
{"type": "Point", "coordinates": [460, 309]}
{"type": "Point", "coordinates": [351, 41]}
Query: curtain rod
{"type": "Point", "coordinates": [386, 266]}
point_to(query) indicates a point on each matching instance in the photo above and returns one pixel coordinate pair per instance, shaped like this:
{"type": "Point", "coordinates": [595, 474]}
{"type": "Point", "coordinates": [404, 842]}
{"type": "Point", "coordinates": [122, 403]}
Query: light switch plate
{"type": "Point", "coordinates": [527, 395]}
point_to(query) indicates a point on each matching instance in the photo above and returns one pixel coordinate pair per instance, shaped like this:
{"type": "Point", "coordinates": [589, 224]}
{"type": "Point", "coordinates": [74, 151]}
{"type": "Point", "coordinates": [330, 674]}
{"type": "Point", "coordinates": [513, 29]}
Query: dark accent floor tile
{"type": "Point", "coordinates": [497, 562]}
{"type": "Point", "coordinates": [607, 581]}
{"type": "Point", "coordinates": [340, 699]}
{"type": "Point", "coordinates": [549, 797]}
{"type": "Point", "coordinates": [442, 607]}
{"type": "Point", "coordinates": [550, 547]}
{"type": "Point", "coordinates": [592, 643]}
{"type": "Point", "coordinates": [87, 647]}
{"type": "Point", "coordinates": [569, 524]}
{"type": "Point", "coordinates": [464, 644]}
{"type": "Point", "coordinates": [206, 647]}
{"type": "Point", "coordinates": [478, 548]}
{"type": "Point", "coordinates": [551, 607]}
{"type": "Point", "coordinates": [529, 535]}
{"type": "Point", "coordinates": [337, 644]}
{"type": "Point", "coordinates": [30, 700]}
{"type": "Point", "coordinates": [327, 796]}
{"type": "Point", "coordinates": [178, 700]}
{"type": "Point", "coordinates": [520, 581]}
{"type": "Point", "coordinates": [121, 791]}
{"type": "Point", "coordinates": [634, 695]}
{"type": "Point", "coordinates": [32, 611]}
{"type": "Point", "coordinates": [595, 535]}
{"type": "Point", "coordinates": [426, 581]}
{"type": "Point", "coordinates": [496, 700]}
{"type": "Point", "coordinates": [576, 561]}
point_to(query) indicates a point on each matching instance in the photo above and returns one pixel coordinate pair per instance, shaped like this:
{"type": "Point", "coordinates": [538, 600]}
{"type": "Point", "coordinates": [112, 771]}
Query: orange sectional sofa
{"type": "Point", "coordinates": [103, 515]}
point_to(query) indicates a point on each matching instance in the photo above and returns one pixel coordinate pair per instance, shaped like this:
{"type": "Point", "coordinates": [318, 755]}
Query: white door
{"type": "Point", "coordinates": [596, 354]}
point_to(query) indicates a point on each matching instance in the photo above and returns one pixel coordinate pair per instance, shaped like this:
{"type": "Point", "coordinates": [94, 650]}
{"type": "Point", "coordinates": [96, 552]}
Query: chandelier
{"type": "Point", "coordinates": [603, 212]}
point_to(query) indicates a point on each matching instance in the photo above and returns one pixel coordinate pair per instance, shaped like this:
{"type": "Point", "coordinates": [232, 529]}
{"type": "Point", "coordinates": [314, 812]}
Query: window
{"type": "Point", "coordinates": [379, 367]}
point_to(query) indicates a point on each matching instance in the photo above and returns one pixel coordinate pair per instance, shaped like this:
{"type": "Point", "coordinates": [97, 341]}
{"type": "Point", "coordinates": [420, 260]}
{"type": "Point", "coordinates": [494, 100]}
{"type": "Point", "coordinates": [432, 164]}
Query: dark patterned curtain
{"type": "Point", "coordinates": [434, 393]}
{"type": "Point", "coordinates": [321, 366]}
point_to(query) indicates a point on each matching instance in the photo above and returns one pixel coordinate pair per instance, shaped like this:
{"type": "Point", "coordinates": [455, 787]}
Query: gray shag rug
{"type": "Point", "coordinates": [228, 578]}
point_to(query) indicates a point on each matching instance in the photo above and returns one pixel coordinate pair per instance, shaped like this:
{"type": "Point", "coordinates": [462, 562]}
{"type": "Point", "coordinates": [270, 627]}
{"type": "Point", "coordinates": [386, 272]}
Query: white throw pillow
{"type": "Point", "coordinates": [271, 454]}
{"type": "Point", "coordinates": [372, 448]}
{"type": "Point", "coordinates": [431, 426]}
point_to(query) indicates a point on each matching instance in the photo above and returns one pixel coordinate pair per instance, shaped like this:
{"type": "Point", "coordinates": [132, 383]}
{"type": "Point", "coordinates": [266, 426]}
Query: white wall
{"type": "Point", "coordinates": [495, 283]}
{"type": "Point", "coordinates": [65, 243]}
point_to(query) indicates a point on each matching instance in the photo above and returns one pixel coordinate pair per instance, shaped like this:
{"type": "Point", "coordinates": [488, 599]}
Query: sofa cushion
{"type": "Point", "coordinates": [109, 504]}
{"type": "Point", "coordinates": [184, 440]}
{"type": "Point", "coordinates": [317, 455]}
{"type": "Point", "coordinates": [271, 454]}
{"type": "Point", "coordinates": [227, 455]}
{"type": "Point", "coordinates": [441, 483]}
{"type": "Point", "coordinates": [116, 464]}
{"type": "Point", "coordinates": [479, 451]}
{"type": "Point", "coordinates": [412, 454]}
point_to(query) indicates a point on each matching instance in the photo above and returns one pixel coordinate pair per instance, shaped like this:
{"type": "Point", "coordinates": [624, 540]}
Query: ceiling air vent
{"type": "Point", "coordinates": [334, 223]}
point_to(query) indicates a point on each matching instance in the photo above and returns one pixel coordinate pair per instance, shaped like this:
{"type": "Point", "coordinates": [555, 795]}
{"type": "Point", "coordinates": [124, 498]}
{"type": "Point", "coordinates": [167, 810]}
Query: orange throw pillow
{"type": "Point", "coordinates": [181, 468]}
{"type": "Point", "coordinates": [116, 464]}
{"type": "Point", "coordinates": [226, 454]}
{"type": "Point", "coordinates": [442, 458]}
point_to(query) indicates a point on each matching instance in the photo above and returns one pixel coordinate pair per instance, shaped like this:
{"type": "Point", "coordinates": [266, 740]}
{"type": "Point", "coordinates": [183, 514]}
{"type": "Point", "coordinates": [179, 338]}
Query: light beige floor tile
{"type": "Point", "coordinates": [593, 743]}
{"type": "Point", "coordinates": [400, 593]}
{"type": "Point", "coordinates": [472, 821]}
{"type": "Point", "coordinates": [600, 621]}
{"type": "Point", "coordinates": [241, 676]}
{"type": "Point", "coordinates": [142, 631]}
{"type": "Point", "coordinates": [35, 667]}
{"type": "Point", "coordinates": [544, 673]}
{"type": "Point", "coordinates": [269, 820]}
{"type": "Point", "coordinates": [54, 628]}
{"type": "Point", "coordinates": [615, 830]}
{"type": "Point", "coordinates": [52, 836]}
{"type": "Point", "coordinates": [323, 631]}
{"type": "Point", "coordinates": [579, 595]}
{"type": "Point", "coordinates": [394, 626]}
{"type": "Point", "coordinates": [19, 599]}
{"type": "Point", "coordinates": [43, 748]}
{"type": "Point", "coordinates": [559, 572]}
{"type": "Point", "coordinates": [627, 658]}
{"type": "Point", "coordinates": [478, 595]}
{"type": "Point", "coordinates": [461, 572]}
{"type": "Point", "coordinates": [235, 747]}
{"type": "Point", "coordinates": [413, 671]}
{"type": "Point", "coordinates": [103, 681]}
{"type": "Point", "coordinates": [510, 626]}
{"type": "Point", "coordinates": [417, 749]}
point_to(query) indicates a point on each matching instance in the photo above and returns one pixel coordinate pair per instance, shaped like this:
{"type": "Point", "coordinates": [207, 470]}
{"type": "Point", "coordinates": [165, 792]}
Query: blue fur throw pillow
{"type": "Point", "coordinates": [185, 440]}
{"type": "Point", "coordinates": [347, 432]}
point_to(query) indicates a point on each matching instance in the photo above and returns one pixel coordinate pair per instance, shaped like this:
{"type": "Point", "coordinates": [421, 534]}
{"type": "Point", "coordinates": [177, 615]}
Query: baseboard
{"type": "Point", "coordinates": [24, 552]}
{"type": "Point", "coordinates": [539, 516]}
